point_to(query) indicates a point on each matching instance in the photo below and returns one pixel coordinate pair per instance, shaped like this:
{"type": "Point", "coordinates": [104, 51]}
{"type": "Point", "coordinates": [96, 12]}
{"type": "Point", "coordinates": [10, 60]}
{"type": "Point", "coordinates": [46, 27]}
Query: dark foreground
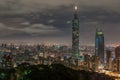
{"type": "Point", "coordinates": [52, 72]}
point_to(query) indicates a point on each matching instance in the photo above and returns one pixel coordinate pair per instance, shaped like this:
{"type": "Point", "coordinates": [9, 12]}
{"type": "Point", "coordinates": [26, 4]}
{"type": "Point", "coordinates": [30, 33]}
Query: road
{"type": "Point", "coordinates": [110, 73]}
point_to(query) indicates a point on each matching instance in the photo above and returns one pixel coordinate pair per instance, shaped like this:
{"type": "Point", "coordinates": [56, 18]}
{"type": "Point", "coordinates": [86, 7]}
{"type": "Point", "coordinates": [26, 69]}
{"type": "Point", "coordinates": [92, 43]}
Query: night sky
{"type": "Point", "coordinates": [49, 21]}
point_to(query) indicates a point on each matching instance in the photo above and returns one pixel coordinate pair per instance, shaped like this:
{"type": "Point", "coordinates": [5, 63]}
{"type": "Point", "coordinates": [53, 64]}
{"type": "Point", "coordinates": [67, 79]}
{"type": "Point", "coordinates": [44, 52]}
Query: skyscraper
{"type": "Point", "coordinates": [117, 52]}
{"type": "Point", "coordinates": [108, 59]}
{"type": "Point", "coordinates": [116, 61]}
{"type": "Point", "coordinates": [99, 45]}
{"type": "Point", "coordinates": [75, 35]}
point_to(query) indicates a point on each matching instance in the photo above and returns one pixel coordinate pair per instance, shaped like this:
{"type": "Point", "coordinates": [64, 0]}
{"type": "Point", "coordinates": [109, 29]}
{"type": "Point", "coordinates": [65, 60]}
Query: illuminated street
{"type": "Point", "coordinates": [110, 73]}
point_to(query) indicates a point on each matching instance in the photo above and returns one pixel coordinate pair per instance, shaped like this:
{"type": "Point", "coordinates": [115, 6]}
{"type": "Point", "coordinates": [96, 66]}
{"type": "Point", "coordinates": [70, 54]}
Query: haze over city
{"type": "Point", "coordinates": [50, 21]}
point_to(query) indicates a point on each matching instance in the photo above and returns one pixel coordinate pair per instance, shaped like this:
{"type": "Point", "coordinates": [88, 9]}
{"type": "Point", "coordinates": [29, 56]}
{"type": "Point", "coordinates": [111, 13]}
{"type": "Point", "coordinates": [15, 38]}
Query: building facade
{"type": "Point", "coordinates": [75, 35]}
{"type": "Point", "coordinates": [117, 52]}
{"type": "Point", "coordinates": [116, 61]}
{"type": "Point", "coordinates": [108, 59]}
{"type": "Point", "coordinates": [99, 45]}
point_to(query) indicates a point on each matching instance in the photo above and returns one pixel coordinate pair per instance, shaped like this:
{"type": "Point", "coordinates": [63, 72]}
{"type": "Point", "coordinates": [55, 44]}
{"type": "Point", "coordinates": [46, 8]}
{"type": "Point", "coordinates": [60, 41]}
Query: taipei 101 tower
{"type": "Point", "coordinates": [75, 35]}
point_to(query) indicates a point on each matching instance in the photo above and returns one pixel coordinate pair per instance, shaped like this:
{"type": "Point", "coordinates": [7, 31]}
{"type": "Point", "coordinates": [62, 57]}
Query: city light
{"type": "Point", "coordinates": [76, 7]}
{"type": "Point", "coordinates": [54, 42]}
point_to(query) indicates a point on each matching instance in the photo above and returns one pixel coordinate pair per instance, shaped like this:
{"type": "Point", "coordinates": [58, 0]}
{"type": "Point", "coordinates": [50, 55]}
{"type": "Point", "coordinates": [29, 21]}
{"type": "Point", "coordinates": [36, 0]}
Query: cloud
{"type": "Point", "coordinates": [25, 23]}
{"type": "Point", "coordinates": [6, 31]}
{"type": "Point", "coordinates": [33, 29]}
{"type": "Point", "coordinates": [34, 32]}
{"type": "Point", "coordinates": [27, 6]}
{"type": "Point", "coordinates": [41, 28]}
{"type": "Point", "coordinates": [2, 25]}
{"type": "Point", "coordinates": [51, 21]}
{"type": "Point", "coordinates": [47, 19]}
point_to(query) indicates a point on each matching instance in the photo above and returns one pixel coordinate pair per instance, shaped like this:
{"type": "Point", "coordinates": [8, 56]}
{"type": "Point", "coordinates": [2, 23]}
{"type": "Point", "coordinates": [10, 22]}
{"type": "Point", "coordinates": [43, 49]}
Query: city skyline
{"type": "Point", "coordinates": [51, 21]}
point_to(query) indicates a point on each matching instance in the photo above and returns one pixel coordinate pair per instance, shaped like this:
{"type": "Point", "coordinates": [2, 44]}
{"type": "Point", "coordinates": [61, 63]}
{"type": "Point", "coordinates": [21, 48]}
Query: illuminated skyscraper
{"type": "Point", "coordinates": [75, 35]}
{"type": "Point", "coordinates": [108, 58]}
{"type": "Point", "coordinates": [117, 51]}
{"type": "Point", "coordinates": [99, 45]}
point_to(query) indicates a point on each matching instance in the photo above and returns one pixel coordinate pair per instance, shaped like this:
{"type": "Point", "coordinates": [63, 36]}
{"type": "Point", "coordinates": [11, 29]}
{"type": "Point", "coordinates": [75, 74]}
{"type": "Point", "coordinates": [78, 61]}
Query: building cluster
{"type": "Point", "coordinates": [98, 59]}
{"type": "Point", "coordinates": [115, 66]}
{"type": "Point", "coordinates": [101, 59]}
{"type": "Point", "coordinates": [12, 55]}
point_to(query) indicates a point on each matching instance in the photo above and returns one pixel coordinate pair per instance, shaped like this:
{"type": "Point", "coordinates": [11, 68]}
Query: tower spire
{"type": "Point", "coordinates": [76, 8]}
{"type": "Point", "coordinates": [76, 11]}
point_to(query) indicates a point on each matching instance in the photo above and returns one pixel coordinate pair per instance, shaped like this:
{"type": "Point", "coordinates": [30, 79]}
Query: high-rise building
{"type": "Point", "coordinates": [86, 58]}
{"type": "Point", "coordinates": [117, 52]}
{"type": "Point", "coordinates": [99, 45]}
{"type": "Point", "coordinates": [108, 59]}
{"type": "Point", "coordinates": [116, 65]}
{"type": "Point", "coordinates": [116, 61]}
{"type": "Point", "coordinates": [75, 35]}
{"type": "Point", "coordinates": [95, 62]}
{"type": "Point", "coordinates": [108, 55]}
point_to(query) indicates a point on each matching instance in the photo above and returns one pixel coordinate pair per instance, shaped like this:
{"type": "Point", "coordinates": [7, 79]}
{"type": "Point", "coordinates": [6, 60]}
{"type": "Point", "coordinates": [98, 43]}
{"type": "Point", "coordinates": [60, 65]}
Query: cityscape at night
{"type": "Point", "coordinates": [59, 40]}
